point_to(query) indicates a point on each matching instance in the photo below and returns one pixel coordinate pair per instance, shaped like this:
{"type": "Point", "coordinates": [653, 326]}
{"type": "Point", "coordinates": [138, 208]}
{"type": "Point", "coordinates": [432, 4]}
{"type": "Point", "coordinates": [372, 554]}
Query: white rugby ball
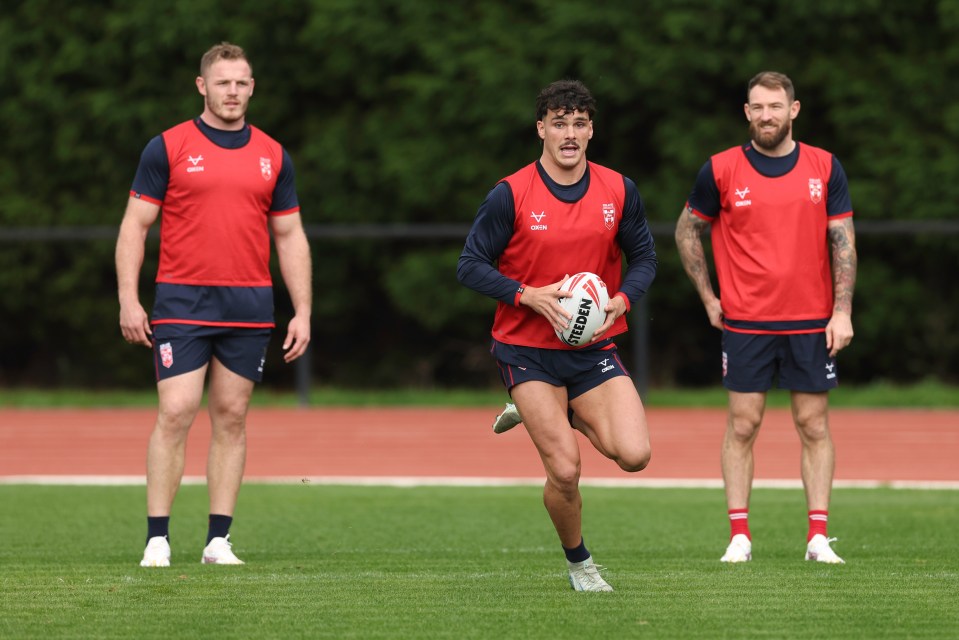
{"type": "Point", "coordinates": [587, 304]}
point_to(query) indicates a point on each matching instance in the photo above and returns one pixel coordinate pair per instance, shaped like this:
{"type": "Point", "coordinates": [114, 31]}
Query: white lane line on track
{"type": "Point", "coordinates": [444, 481]}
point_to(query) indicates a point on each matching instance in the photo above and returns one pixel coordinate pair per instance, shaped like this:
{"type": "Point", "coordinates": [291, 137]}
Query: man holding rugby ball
{"type": "Point", "coordinates": [558, 216]}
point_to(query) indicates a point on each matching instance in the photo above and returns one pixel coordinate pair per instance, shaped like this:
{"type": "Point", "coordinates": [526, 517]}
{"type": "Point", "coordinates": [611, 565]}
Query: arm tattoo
{"type": "Point", "coordinates": [842, 245]}
{"type": "Point", "coordinates": [689, 241]}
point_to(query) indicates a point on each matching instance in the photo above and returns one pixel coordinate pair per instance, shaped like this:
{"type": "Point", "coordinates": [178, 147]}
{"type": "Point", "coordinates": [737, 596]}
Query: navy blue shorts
{"type": "Point", "coordinates": [800, 361]}
{"type": "Point", "coordinates": [181, 348]}
{"type": "Point", "coordinates": [578, 370]}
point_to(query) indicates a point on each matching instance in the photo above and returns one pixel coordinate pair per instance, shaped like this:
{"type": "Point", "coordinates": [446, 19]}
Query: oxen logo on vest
{"type": "Point", "coordinates": [265, 169]}
{"type": "Point", "coordinates": [743, 201]}
{"type": "Point", "coordinates": [815, 190]}
{"type": "Point", "coordinates": [538, 217]}
{"type": "Point", "coordinates": [194, 161]}
{"type": "Point", "coordinates": [609, 214]}
{"type": "Point", "coordinates": [166, 354]}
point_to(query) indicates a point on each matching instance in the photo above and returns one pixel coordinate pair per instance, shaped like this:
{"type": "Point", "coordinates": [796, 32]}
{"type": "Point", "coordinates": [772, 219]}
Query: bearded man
{"type": "Point", "coordinates": [784, 250]}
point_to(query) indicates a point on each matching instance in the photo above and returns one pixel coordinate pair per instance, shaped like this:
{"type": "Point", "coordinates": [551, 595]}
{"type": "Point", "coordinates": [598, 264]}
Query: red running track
{"type": "Point", "coordinates": [338, 444]}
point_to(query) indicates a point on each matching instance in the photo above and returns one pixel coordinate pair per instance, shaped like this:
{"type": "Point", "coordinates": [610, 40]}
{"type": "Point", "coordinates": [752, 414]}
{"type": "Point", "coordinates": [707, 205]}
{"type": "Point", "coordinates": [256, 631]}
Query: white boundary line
{"type": "Point", "coordinates": [444, 481]}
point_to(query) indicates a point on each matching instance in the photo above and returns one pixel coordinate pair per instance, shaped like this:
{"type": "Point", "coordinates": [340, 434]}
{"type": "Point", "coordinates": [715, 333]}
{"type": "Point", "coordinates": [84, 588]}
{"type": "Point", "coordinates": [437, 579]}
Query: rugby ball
{"type": "Point", "coordinates": [587, 304]}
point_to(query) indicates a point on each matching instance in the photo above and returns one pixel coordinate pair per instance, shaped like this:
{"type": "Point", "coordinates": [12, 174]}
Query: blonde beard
{"type": "Point", "coordinates": [218, 111]}
{"type": "Point", "coordinates": [775, 138]}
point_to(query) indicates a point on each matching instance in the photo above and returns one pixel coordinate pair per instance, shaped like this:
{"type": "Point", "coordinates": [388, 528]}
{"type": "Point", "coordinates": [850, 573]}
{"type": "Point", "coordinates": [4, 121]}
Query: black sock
{"type": "Point", "coordinates": [219, 526]}
{"type": "Point", "coordinates": [158, 526]}
{"type": "Point", "coordinates": [577, 554]}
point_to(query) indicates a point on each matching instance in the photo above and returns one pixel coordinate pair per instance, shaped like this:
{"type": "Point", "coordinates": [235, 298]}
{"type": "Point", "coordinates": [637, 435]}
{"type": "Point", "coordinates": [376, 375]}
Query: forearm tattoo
{"type": "Point", "coordinates": [842, 245]}
{"type": "Point", "coordinates": [689, 232]}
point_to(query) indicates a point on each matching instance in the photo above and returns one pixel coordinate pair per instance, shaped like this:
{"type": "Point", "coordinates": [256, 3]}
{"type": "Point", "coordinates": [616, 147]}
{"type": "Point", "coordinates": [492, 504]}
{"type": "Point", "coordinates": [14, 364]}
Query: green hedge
{"type": "Point", "coordinates": [399, 111]}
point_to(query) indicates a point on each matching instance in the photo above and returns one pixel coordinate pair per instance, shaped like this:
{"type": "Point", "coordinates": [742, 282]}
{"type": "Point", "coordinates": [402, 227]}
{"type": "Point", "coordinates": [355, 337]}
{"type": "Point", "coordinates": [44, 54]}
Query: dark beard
{"type": "Point", "coordinates": [769, 143]}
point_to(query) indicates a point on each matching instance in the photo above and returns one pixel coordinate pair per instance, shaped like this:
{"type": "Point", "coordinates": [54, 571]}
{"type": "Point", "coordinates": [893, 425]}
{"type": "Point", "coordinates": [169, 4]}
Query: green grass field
{"type": "Point", "coordinates": [929, 394]}
{"type": "Point", "coordinates": [439, 562]}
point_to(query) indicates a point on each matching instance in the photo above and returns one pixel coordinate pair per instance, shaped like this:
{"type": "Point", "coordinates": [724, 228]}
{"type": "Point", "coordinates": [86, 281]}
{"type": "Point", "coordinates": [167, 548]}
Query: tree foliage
{"type": "Point", "coordinates": [408, 112]}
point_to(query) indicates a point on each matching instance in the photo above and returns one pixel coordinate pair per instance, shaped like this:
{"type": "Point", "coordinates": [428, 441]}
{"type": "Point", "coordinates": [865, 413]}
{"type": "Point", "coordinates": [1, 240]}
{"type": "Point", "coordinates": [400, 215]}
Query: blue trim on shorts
{"type": "Point", "coordinates": [578, 370]}
{"type": "Point", "coordinates": [779, 326]}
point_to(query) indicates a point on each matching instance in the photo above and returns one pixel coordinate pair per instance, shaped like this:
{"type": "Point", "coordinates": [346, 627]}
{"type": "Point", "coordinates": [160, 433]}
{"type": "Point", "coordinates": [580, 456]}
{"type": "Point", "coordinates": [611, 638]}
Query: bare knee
{"type": "Point", "coordinates": [228, 417]}
{"type": "Point", "coordinates": [812, 429]}
{"type": "Point", "coordinates": [634, 460]}
{"type": "Point", "coordinates": [743, 429]}
{"type": "Point", "coordinates": [811, 416]}
{"type": "Point", "coordinates": [174, 421]}
{"type": "Point", "coordinates": [565, 477]}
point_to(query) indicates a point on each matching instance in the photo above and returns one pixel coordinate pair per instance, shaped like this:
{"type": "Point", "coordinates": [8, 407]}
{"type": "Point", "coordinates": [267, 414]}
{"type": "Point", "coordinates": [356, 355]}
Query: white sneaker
{"type": "Point", "coordinates": [584, 576]}
{"type": "Point", "coordinates": [157, 553]}
{"type": "Point", "coordinates": [740, 549]}
{"type": "Point", "coordinates": [819, 550]}
{"type": "Point", "coordinates": [219, 552]}
{"type": "Point", "coordinates": [508, 419]}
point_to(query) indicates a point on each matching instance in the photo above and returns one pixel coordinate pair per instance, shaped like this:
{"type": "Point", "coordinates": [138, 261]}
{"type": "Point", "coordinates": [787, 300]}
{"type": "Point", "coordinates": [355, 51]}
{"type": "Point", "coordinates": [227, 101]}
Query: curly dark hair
{"type": "Point", "coordinates": [566, 96]}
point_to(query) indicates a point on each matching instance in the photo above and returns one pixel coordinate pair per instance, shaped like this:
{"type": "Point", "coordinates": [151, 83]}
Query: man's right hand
{"type": "Point", "coordinates": [714, 309]}
{"type": "Point", "coordinates": [135, 325]}
{"type": "Point", "coordinates": [545, 301]}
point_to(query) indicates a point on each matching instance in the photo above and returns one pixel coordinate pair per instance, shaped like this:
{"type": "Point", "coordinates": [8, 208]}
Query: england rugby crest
{"type": "Point", "coordinates": [166, 354]}
{"type": "Point", "coordinates": [609, 215]}
{"type": "Point", "coordinates": [265, 169]}
{"type": "Point", "coordinates": [815, 190]}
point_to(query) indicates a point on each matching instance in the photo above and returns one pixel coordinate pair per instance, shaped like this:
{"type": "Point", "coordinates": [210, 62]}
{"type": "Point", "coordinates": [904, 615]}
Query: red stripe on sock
{"type": "Point", "coordinates": [739, 523]}
{"type": "Point", "coordinates": [817, 523]}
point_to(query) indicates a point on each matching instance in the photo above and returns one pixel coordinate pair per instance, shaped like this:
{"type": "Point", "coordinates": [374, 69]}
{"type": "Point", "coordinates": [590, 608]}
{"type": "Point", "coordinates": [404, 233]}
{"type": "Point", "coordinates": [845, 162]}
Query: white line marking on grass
{"type": "Point", "coordinates": [449, 481]}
